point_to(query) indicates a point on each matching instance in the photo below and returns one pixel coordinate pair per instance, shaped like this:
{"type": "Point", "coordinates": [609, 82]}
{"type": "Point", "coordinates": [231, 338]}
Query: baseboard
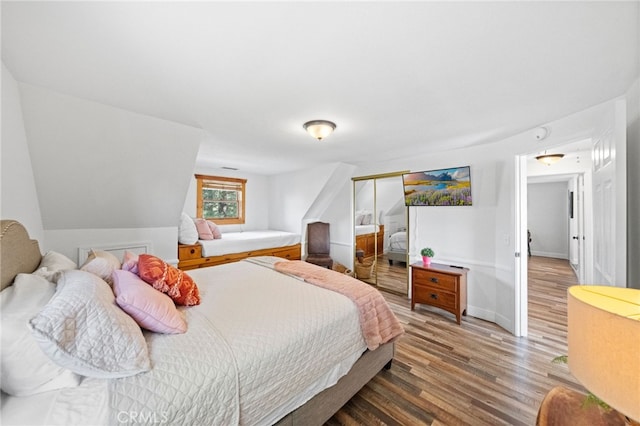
{"type": "Point", "coordinates": [563, 256]}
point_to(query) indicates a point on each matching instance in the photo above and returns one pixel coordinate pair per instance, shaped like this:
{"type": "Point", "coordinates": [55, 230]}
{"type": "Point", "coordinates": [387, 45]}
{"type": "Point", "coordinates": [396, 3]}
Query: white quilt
{"type": "Point", "coordinates": [238, 242]}
{"type": "Point", "coordinates": [258, 346]}
{"type": "Point", "coordinates": [398, 241]}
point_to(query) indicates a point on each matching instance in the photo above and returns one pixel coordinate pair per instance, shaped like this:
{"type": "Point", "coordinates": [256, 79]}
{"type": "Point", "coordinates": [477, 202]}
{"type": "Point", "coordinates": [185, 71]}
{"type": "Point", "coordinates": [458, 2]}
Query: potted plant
{"type": "Point", "coordinates": [427, 253]}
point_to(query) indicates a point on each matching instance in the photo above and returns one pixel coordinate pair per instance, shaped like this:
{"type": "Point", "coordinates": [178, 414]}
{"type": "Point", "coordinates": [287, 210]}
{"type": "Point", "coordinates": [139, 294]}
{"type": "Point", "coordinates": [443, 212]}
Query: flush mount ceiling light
{"type": "Point", "coordinates": [319, 129]}
{"type": "Point", "coordinates": [549, 159]}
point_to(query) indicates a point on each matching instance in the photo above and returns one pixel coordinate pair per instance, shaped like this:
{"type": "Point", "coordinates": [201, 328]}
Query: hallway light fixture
{"type": "Point", "coordinates": [549, 159]}
{"type": "Point", "coordinates": [319, 129]}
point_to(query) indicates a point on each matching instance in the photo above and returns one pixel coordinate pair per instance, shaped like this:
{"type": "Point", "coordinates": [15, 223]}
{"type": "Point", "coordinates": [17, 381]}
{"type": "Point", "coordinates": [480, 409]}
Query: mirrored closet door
{"type": "Point", "coordinates": [380, 232]}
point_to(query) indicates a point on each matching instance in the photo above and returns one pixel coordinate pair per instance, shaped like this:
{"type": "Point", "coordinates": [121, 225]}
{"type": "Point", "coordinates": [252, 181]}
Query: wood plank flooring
{"type": "Point", "coordinates": [475, 373]}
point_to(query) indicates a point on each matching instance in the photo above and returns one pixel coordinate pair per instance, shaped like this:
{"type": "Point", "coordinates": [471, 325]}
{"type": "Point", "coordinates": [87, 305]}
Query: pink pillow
{"type": "Point", "coordinates": [151, 309]}
{"type": "Point", "coordinates": [130, 262]}
{"type": "Point", "coordinates": [204, 233]}
{"type": "Point", "coordinates": [214, 230]}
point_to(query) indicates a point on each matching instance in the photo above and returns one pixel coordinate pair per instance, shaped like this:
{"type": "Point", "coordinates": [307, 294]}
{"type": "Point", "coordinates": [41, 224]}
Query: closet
{"type": "Point", "coordinates": [380, 231]}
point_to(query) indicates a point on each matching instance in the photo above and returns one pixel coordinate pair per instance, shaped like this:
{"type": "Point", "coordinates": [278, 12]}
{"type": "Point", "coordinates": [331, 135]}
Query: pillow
{"type": "Point", "coordinates": [187, 232]}
{"type": "Point", "coordinates": [52, 263]}
{"type": "Point", "coordinates": [217, 234]}
{"type": "Point", "coordinates": [130, 262]}
{"type": "Point", "coordinates": [167, 279]}
{"type": "Point", "coordinates": [25, 369]}
{"type": "Point", "coordinates": [82, 329]}
{"type": "Point", "coordinates": [101, 263]}
{"type": "Point", "coordinates": [151, 309]}
{"type": "Point", "coordinates": [366, 218]}
{"type": "Point", "coordinates": [204, 232]}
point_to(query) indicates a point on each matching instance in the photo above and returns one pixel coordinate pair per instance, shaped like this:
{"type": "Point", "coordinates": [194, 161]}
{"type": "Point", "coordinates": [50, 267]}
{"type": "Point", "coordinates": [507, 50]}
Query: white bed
{"type": "Point", "coordinates": [397, 250]}
{"type": "Point", "coordinates": [366, 229]}
{"type": "Point", "coordinates": [260, 347]}
{"type": "Point", "coordinates": [236, 242]}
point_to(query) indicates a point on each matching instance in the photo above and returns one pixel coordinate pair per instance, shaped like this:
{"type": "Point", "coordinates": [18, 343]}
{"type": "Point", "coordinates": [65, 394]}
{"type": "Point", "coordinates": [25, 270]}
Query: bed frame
{"type": "Point", "coordinates": [367, 242]}
{"type": "Point", "coordinates": [190, 256]}
{"type": "Point", "coordinates": [20, 254]}
{"type": "Point", "coordinates": [397, 256]}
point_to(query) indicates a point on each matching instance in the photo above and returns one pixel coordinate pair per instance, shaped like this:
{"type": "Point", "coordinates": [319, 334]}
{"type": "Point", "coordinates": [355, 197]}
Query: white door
{"type": "Point", "coordinates": [609, 198]}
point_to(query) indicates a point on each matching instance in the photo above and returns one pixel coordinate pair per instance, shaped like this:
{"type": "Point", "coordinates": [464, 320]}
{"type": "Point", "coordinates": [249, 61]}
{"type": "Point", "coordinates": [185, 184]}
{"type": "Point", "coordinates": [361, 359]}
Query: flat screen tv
{"type": "Point", "coordinates": [443, 187]}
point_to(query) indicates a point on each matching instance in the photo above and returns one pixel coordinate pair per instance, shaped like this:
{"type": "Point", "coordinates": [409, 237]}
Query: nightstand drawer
{"type": "Point", "coordinates": [436, 280]}
{"type": "Point", "coordinates": [435, 297]}
{"type": "Point", "coordinates": [188, 252]}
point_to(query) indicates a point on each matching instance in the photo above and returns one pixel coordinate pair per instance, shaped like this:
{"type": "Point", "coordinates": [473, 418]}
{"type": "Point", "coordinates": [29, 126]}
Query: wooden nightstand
{"type": "Point", "coordinates": [442, 286]}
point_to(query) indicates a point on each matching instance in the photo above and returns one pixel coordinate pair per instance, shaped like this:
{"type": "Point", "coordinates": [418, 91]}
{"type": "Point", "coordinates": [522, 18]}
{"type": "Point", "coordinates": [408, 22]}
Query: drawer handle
{"type": "Point", "coordinates": [193, 251]}
{"type": "Point", "coordinates": [434, 296]}
{"type": "Point", "coordinates": [434, 280]}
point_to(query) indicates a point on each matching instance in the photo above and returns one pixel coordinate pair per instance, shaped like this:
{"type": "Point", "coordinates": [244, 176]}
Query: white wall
{"type": "Point", "coordinates": [633, 184]}
{"type": "Point", "coordinates": [548, 213]}
{"type": "Point", "coordinates": [19, 199]}
{"type": "Point", "coordinates": [102, 176]}
{"type": "Point", "coordinates": [257, 198]}
{"type": "Point", "coordinates": [99, 167]}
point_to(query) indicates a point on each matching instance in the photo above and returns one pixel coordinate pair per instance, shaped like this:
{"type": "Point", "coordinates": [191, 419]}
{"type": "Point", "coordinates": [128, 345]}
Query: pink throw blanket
{"type": "Point", "coordinates": [378, 323]}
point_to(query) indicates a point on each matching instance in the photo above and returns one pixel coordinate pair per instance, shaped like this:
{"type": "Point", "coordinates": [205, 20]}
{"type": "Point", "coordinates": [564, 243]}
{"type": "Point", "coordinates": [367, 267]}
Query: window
{"type": "Point", "coordinates": [221, 199]}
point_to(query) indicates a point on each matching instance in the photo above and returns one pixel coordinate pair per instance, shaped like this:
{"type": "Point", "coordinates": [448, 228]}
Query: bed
{"type": "Point", "coordinates": [397, 250]}
{"type": "Point", "coordinates": [235, 246]}
{"type": "Point", "coordinates": [232, 366]}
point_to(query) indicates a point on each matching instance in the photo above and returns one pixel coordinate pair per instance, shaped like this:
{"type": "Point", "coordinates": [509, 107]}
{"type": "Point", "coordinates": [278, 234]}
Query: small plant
{"type": "Point", "coordinates": [590, 399]}
{"type": "Point", "coordinates": [427, 252]}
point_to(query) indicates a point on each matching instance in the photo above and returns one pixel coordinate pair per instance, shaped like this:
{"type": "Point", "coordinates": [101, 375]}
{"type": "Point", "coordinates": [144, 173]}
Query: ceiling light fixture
{"type": "Point", "coordinates": [549, 159]}
{"type": "Point", "coordinates": [319, 129]}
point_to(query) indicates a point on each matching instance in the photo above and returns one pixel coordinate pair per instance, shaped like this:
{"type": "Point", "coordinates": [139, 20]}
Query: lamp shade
{"type": "Point", "coordinates": [319, 129]}
{"type": "Point", "coordinates": [604, 344]}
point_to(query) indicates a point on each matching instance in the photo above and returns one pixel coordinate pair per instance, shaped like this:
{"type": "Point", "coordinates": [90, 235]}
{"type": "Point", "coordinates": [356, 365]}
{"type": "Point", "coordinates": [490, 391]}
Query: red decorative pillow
{"type": "Point", "coordinates": [167, 279]}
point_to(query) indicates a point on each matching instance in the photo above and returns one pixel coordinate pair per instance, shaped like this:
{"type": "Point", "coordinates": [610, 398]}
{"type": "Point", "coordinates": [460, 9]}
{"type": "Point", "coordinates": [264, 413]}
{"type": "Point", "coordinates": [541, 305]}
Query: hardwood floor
{"type": "Point", "coordinates": [475, 373]}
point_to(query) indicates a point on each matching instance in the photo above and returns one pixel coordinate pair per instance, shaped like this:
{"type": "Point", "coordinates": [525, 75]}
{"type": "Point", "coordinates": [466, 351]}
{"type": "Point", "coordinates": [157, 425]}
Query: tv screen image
{"type": "Point", "coordinates": [443, 187]}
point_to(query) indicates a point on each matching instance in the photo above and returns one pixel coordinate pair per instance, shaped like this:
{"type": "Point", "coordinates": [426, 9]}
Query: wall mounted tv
{"type": "Point", "coordinates": [443, 187]}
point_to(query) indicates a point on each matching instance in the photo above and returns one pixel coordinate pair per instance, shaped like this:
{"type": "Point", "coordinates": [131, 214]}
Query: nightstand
{"type": "Point", "coordinates": [442, 286]}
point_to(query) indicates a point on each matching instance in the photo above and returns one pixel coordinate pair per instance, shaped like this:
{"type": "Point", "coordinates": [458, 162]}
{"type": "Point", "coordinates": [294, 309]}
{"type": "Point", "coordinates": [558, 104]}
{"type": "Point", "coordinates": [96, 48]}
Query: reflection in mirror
{"type": "Point", "coordinates": [365, 230]}
{"type": "Point", "coordinates": [392, 272]}
{"type": "Point", "coordinates": [380, 232]}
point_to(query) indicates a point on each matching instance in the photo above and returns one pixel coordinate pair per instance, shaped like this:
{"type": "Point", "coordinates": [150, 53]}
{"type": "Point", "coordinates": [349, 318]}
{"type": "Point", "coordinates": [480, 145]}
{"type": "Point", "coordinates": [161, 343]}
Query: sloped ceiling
{"type": "Point", "coordinates": [399, 79]}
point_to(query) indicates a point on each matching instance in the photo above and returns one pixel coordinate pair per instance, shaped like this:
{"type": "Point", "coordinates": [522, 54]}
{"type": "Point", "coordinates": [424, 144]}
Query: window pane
{"type": "Point", "coordinates": [219, 210]}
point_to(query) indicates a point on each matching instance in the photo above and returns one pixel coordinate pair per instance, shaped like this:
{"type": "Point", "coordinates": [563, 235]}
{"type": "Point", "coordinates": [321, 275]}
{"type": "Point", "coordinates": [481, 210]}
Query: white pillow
{"type": "Point", "coordinates": [83, 329]}
{"type": "Point", "coordinates": [187, 231]}
{"type": "Point", "coordinates": [26, 370]}
{"type": "Point", "coordinates": [52, 263]}
{"type": "Point", "coordinates": [101, 263]}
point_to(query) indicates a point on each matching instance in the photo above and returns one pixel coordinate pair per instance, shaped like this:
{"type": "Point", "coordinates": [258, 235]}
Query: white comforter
{"type": "Point", "coordinates": [398, 241]}
{"type": "Point", "coordinates": [238, 242]}
{"type": "Point", "coordinates": [258, 346]}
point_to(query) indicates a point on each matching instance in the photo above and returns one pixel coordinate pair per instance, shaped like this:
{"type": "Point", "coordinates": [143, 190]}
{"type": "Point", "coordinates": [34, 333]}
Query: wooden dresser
{"type": "Point", "coordinates": [442, 286]}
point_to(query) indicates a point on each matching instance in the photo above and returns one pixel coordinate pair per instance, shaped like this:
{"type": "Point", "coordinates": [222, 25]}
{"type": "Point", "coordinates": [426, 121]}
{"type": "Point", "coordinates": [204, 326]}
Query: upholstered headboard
{"type": "Point", "coordinates": [18, 253]}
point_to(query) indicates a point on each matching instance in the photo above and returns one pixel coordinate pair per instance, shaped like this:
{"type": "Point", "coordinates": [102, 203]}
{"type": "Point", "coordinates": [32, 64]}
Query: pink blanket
{"type": "Point", "coordinates": [378, 323]}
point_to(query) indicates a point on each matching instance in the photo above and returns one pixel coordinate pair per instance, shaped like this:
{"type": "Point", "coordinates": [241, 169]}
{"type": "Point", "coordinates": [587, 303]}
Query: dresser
{"type": "Point", "coordinates": [442, 286]}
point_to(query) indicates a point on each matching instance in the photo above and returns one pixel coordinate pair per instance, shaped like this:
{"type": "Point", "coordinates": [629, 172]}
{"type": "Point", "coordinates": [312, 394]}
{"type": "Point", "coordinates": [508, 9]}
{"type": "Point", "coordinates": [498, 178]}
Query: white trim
{"type": "Point", "coordinates": [117, 250]}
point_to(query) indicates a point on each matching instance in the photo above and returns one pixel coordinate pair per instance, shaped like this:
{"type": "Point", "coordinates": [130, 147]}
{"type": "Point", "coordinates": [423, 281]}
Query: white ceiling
{"type": "Point", "coordinates": [397, 78]}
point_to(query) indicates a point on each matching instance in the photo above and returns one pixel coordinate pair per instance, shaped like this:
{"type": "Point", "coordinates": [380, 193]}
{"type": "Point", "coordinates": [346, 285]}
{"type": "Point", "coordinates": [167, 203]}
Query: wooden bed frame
{"type": "Point", "coordinates": [190, 256]}
{"type": "Point", "coordinates": [20, 254]}
{"type": "Point", "coordinates": [366, 242]}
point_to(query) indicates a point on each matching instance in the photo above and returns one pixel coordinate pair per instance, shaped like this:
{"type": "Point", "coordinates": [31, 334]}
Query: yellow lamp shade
{"type": "Point", "coordinates": [604, 344]}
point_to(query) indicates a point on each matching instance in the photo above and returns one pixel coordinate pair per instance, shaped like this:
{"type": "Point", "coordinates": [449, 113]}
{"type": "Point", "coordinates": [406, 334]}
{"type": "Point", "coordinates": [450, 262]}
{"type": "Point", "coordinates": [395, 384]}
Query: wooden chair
{"type": "Point", "coordinates": [318, 244]}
